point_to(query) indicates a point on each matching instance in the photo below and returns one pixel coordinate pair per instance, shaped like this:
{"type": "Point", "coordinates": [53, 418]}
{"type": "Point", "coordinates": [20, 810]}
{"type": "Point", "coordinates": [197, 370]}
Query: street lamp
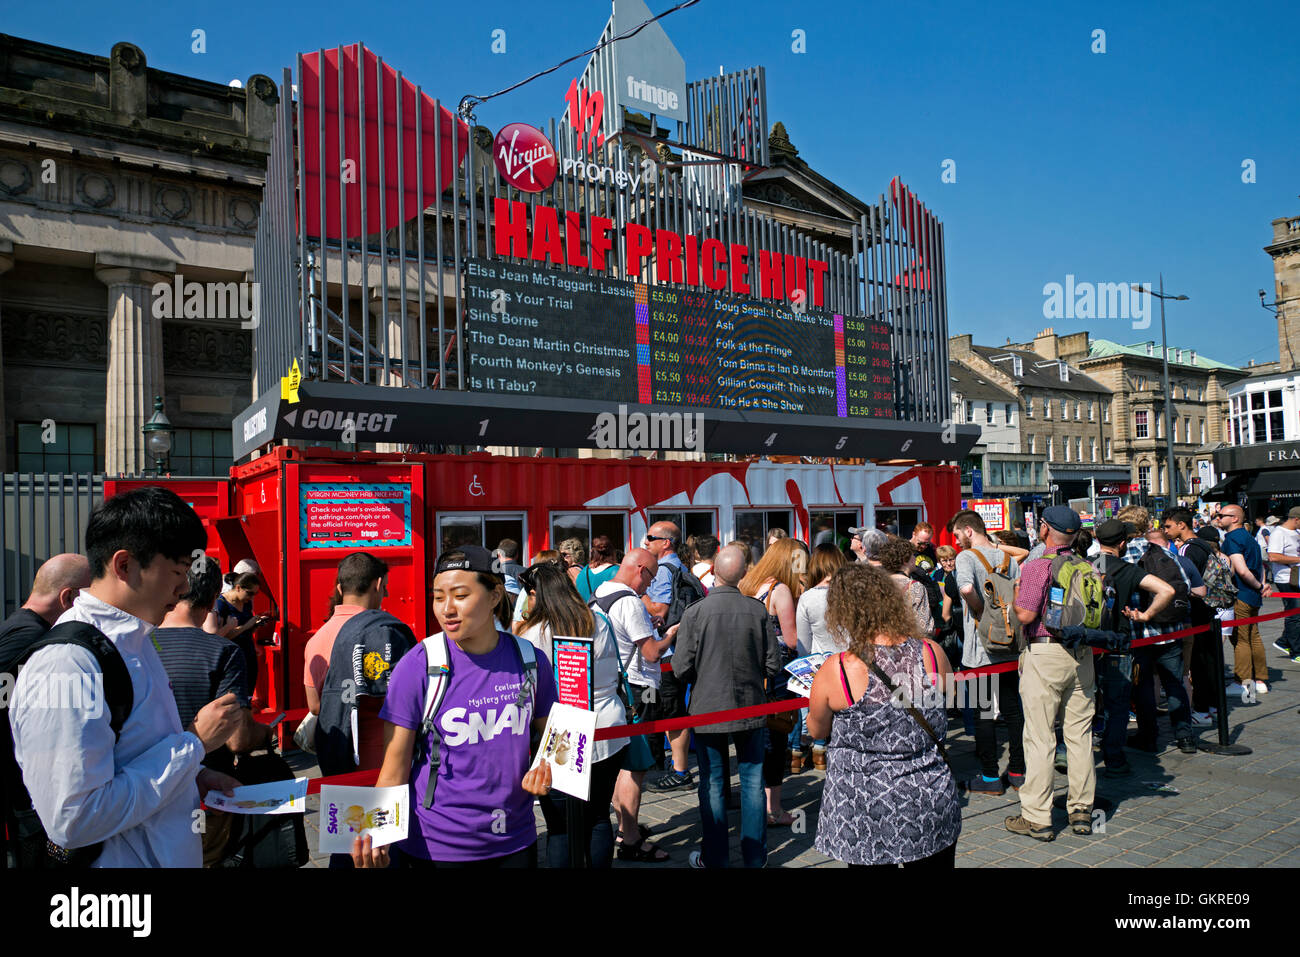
{"type": "Point", "coordinates": [1164, 362]}
{"type": "Point", "coordinates": [158, 436]}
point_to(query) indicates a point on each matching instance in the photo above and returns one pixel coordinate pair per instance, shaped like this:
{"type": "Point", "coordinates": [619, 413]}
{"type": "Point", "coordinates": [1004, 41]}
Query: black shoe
{"type": "Point", "coordinates": [672, 781]}
{"type": "Point", "coordinates": [978, 785]}
{"type": "Point", "coordinates": [1118, 771]}
{"type": "Point", "coordinates": [1187, 745]}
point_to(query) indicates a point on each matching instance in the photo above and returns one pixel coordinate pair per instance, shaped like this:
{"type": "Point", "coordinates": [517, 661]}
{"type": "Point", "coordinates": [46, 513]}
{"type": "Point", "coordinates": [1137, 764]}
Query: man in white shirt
{"type": "Point", "coordinates": [136, 793]}
{"type": "Point", "coordinates": [639, 651]}
{"type": "Point", "coordinates": [1284, 553]}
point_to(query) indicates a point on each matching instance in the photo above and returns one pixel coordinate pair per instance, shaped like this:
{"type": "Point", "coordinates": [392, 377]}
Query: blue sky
{"type": "Point", "coordinates": [1111, 167]}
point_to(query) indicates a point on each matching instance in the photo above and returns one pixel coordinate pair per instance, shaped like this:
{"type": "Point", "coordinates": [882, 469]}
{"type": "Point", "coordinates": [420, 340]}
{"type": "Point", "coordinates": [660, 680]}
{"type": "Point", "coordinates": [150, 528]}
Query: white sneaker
{"type": "Point", "coordinates": [1261, 688]}
{"type": "Point", "coordinates": [1246, 691]}
{"type": "Point", "coordinates": [1202, 720]}
{"type": "Point", "coordinates": [695, 860]}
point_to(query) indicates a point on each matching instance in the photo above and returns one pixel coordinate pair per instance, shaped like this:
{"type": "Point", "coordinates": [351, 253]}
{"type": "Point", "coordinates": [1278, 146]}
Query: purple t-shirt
{"type": "Point", "coordinates": [479, 810]}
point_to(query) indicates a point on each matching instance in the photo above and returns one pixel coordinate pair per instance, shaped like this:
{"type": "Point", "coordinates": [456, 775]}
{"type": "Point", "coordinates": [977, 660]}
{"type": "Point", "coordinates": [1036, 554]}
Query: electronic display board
{"type": "Point", "coordinates": [536, 331]}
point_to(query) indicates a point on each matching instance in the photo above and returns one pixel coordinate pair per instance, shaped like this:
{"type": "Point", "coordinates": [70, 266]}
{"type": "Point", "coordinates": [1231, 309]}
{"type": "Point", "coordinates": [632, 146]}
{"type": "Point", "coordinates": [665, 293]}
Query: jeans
{"type": "Point", "coordinates": [1167, 661]}
{"type": "Point", "coordinates": [1291, 627]}
{"type": "Point", "coordinates": [710, 750]}
{"type": "Point", "coordinates": [796, 733]}
{"type": "Point", "coordinates": [1115, 682]}
{"type": "Point", "coordinates": [986, 732]}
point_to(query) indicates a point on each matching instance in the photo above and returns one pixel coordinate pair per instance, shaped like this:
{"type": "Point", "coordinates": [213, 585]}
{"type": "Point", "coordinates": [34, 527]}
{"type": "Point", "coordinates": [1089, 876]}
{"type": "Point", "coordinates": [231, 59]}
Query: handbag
{"type": "Point", "coordinates": [305, 735]}
{"type": "Point", "coordinates": [782, 722]}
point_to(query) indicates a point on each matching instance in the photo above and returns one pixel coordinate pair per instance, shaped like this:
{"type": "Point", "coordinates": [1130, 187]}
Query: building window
{"type": "Point", "coordinates": [1065, 410]}
{"type": "Point", "coordinates": [1033, 442]}
{"type": "Point", "coordinates": [1078, 447]}
{"type": "Point", "coordinates": [73, 449]}
{"type": "Point", "coordinates": [1092, 411]}
{"type": "Point", "coordinates": [1140, 429]}
{"type": "Point", "coordinates": [968, 467]}
{"type": "Point", "coordinates": [1108, 450]}
{"type": "Point", "coordinates": [1160, 426]}
{"type": "Point", "coordinates": [1047, 407]}
{"type": "Point", "coordinates": [1051, 447]}
{"type": "Point", "coordinates": [1038, 473]}
{"type": "Point", "coordinates": [1078, 411]}
{"type": "Point", "coordinates": [201, 452]}
{"type": "Point", "coordinates": [988, 412]}
{"type": "Point", "coordinates": [1092, 449]}
{"type": "Point", "coordinates": [1065, 446]}
{"type": "Point", "coordinates": [1008, 408]}
{"type": "Point", "coordinates": [1105, 412]}
{"type": "Point", "coordinates": [1202, 424]}
{"type": "Point", "coordinates": [1187, 429]}
{"type": "Point", "coordinates": [1139, 383]}
{"type": "Point", "coordinates": [1029, 407]}
{"type": "Point", "coordinates": [1144, 476]}
{"type": "Point", "coordinates": [995, 473]}
{"type": "Point", "coordinates": [1258, 417]}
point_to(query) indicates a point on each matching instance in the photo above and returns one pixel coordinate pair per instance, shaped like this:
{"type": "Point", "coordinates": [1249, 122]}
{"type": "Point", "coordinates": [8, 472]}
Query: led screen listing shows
{"type": "Point", "coordinates": [536, 331]}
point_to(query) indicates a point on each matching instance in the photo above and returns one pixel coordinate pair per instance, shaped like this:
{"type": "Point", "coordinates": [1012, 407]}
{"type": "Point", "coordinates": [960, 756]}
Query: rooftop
{"type": "Point", "coordinates": [970, 384]}
{"type": "Point", "coordinates": [1178, 356]}
{"type": "Point", "coordinates": [1037, 372]}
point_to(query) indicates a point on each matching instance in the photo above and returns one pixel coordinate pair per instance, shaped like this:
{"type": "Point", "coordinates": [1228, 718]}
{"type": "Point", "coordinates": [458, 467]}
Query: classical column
{"type": "Point", "coordinates": [135, 369]}
{"type": "Point", "coordinates": [6, 263]}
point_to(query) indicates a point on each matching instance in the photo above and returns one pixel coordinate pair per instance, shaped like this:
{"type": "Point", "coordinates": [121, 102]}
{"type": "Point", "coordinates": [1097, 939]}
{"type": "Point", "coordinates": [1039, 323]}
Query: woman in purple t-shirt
{"type": "Point", "coordinates": [482, 812]}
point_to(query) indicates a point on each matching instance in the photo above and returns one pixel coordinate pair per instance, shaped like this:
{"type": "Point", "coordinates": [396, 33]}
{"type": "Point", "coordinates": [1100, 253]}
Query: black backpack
{"type": "Point", "coordinates": [687, 590]}
{"type": "Point", "coordinates": [265, 840]}
{"type": "Point", "coordinates": [119, 699]}
{"type": "Point", "coordinates": [1156, 561]}
{"type": "Point", "coordinates": [933, 595]}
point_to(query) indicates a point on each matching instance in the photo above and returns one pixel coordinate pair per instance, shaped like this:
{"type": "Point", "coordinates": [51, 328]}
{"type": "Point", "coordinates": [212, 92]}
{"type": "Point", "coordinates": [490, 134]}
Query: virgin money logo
{"type": "Point", "coordinates": [524, 157]}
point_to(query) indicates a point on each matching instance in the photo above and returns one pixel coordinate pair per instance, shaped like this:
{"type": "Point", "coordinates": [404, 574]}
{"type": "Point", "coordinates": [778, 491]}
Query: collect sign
{"type": "Point", "coordinates": [575, 672]}
{"type": "Point", "coordinates": [354, 515]}
{"type": "Point", "coordinates": [545, 332]}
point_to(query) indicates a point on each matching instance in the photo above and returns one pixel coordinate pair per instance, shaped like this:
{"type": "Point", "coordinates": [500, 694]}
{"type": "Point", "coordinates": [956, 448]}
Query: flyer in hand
{"type": "Point", "coordinates": [275, 797]}
{"type": "Point", "coordinates": [347, 813]}
{"type": "Point", "coordinates": [802, 671]}
{"type": "Point", "coordinates": [567, 744]}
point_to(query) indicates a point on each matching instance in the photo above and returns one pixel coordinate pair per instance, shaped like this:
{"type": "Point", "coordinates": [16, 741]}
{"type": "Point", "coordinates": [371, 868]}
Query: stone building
{"type": "Point", "coordinates": [1066, 414]}
{"type": "Point", "coordinates": [1006, 470]}
{"type": "Point", "coordinates": [115, 177]}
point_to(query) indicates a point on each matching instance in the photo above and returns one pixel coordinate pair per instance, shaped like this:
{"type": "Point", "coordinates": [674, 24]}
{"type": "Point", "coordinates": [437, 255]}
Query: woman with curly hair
{"type": "Point", "coordinates": [777, 581]}
{"type": "Point", "coordinates": [889, 798]}
{"type": "Point", "coordinates": [895, 557]}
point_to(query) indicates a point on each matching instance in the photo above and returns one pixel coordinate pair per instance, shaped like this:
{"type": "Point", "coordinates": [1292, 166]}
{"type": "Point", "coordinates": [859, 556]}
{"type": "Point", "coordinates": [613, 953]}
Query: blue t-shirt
{"type": "Point", "coordinates": [480, 809]}
{"type": "Point", "coordinates": [1241, 542]}
{"type": "Point", "coordinates": [661, 589]}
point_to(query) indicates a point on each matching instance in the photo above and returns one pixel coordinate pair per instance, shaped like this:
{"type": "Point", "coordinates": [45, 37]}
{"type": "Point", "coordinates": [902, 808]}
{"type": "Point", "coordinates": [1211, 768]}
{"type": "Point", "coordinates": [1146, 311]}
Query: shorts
{"type": "Point", "coordinates": [647, 701]}
{"type": "Point", "coordinates": [672, 696]}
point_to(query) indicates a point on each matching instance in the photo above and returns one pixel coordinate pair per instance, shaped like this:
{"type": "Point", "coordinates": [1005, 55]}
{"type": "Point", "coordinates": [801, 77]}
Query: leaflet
{"type": "Point", "coordinates": [802, 671]}
{"type": "Point", "coordinates": [347, 813]}
{"type": "Point", "coordinates": [274, 797]}
{"type": "Point", "coordinates": [567, 745]}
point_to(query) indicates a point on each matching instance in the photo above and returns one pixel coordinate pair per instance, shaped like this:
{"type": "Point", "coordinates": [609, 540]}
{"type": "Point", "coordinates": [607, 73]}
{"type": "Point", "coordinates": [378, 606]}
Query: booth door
{"type": "Point", "coordinates": [482, 528]}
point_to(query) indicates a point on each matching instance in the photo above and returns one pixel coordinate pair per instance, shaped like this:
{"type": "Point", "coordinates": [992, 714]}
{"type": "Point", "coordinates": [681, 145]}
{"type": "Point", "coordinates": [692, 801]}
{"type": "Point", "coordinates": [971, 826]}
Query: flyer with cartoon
{"type": "Point", "coordinates": [275, 797]}
{"type": "Point", "coordinates": [349, 812]}
{"type": "Point", "coordinates": [567, 743]}
{"type": "Point", "coordinates": [802, 671]}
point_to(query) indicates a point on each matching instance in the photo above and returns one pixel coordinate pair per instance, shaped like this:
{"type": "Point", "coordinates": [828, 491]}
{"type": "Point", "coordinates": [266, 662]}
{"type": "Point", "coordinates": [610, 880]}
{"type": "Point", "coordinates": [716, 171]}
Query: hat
{"type": "Point", "coordinates": [1272, 520]}
{"type": "Point", "coordinates": [1209, 533]}
{"type": "Point", "coordinates": [857, 532]}
{"type": "Point", "coordinates": [1112, 531]}
{"type": "Point", "coordinates": [1062, 518]}
{"type": "Point", "coordinates": [1294, 513]}
{"type": "Point", "coordinates": [468, 558]}
{"type": "Point", "coordinates": [247, 565]}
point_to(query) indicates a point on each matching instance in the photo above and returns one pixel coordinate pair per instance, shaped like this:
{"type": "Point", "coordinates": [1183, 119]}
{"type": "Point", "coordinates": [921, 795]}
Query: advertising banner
{"type": "Point", "coordinates": [354, 515]}
{"type": "Point", "coordinates": [994, 513]}
{"type": "Point", "coordinates": [575, 671]}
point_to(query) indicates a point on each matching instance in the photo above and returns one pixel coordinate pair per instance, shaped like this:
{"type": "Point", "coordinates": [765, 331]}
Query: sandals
{"type": "Point", "coordinates": [642, 852]}
{"type": "Point", "coordinates": [785, 820]}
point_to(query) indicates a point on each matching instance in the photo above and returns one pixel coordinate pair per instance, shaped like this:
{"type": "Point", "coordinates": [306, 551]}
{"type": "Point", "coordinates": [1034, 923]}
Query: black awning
{"type": "Point", "coordinates": [1277, 482]}
{"type": "Point", "coordinates": [1225, 491]}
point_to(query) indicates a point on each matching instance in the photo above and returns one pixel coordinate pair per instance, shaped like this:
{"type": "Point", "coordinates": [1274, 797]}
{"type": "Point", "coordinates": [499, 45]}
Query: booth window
{"type": "Point", "coordinates": [485, 529]}
{"type": "Point", "coordinates": [690, 522]}
{"type": "Point", "coordinates": [899, 521]}
{"type": "Point", "coordinates": [752, 526]}
{"type": "Point", "coordinates": [831, 527]}
{"type": "Point", "coordinates": [585, 526]}
{"type": "Point", "coordinates": [73, 449]}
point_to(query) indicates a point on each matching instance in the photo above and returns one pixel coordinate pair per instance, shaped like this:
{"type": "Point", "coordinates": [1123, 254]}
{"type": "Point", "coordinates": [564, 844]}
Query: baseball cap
{"type": "Point", "coordinates": [1113, 531]}
{"type": "Point", "coordinates": [1062, 518]}
{"type": "Point", "coordinates": [467, 558]}
{"type": "Point", "coordinates": [1209, 533]}
{"type": "Point", "coordinates": [1294, 513]}
{"type": "Point", "coordinates": [245, 565]}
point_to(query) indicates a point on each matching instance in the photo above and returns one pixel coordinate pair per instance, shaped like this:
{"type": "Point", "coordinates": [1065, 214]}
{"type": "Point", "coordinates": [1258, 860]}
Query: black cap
{"type": "Point", "coordinates": [1209, 533]}
{"type": "Point", "coordinates": [1062, 518]}
{"type": "Point", "coordinates": [1112, 531]}
{"type": "Point", "coordinates": [468, 558]}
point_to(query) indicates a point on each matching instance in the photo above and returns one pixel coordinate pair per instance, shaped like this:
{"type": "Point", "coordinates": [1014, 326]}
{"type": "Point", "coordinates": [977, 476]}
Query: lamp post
{"type": "Point", "coordinates": [158, 437]}
{"type": "Point", "coordinates": [1164, 363]}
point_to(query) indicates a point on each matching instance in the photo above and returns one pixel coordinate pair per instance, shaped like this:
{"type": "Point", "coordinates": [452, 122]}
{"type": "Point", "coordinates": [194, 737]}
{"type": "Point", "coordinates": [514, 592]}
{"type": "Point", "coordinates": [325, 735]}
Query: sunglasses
{"type": "Point", "coordinates": [658, 538]}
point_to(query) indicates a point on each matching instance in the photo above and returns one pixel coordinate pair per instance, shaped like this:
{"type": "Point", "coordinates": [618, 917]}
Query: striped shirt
{"type": "Point", "coordinates": [202, 667]}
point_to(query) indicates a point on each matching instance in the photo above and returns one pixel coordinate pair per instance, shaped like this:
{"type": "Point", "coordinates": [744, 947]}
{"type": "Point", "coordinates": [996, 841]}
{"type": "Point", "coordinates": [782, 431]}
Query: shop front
{"type": "Point", "coordinates": [1263, 478]}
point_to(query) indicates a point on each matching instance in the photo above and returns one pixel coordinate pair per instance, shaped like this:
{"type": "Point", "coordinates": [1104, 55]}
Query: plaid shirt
{"type": "Point", "coordinates": [1035, 585]}
{"type": "Point", "coordinates": [1137, 547]}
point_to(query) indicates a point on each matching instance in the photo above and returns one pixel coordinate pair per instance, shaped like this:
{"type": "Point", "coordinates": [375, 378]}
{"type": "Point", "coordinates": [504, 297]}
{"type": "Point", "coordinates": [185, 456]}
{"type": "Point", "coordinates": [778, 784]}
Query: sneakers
{"type": "Point", "coordinates": [978, 785]}
{"type": "Point", "coordinates": [1018, 825]}
{"type": "Point", "coordinates": [1261, 688]}
{"type": "Point", "coordinates": [1246, 692]}
{"type": "Point", "coordinates": [1283, 648]}
{"type": "Point", "coordinates": [1187, 745]}
{"type": "Point", "coordinates": [1081, 822]}
{"type": "Point", "coordinates": [695, 860]}
{"type": "Point", "coordinates": [1015, 781]}
{"type": "Point", "coordinates": [1202, 720]}
{"type": "Point", "coordinates": [1118, 771]}
{"type": "Point", "coordinates": [672, 781]}
{"type": "Point", "coordinates": [1132, 717]}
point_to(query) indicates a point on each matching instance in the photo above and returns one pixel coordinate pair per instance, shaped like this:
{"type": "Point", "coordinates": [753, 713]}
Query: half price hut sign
{"type": "Point", "coordinates": [716, 265]}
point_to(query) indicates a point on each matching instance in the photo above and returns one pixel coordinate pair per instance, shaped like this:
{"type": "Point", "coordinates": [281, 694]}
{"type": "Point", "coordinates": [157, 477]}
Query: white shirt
{"type": "Point", "coordinates": [138, 795]}
{"type": "Point", "coordinates": [704, 572]}
{"type": "Point", "coordinates": [1284, 541]}
{"type": "Point", "coordinates": [606, 701]}
{"type": "Point", "coordinates": [631, 623]}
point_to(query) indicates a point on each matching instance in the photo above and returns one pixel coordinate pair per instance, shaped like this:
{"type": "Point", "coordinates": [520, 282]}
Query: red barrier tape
{"type": "Point", "coordinates": [367, 778]}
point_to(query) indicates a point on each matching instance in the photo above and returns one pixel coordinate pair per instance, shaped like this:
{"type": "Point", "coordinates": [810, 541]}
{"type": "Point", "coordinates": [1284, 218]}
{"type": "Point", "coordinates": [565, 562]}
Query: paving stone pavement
{"type": "Point", "coordinates": [1229, 811]}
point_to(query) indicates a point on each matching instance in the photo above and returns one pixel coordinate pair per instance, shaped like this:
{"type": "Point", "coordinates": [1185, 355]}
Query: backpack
{"type": "Point", "coordinates": [1121, 583]}
{"type": "Point", "coordinates": [1076, 597]}
{"type": "Point", "coordinates": [998, 627]}
{"type": "Point", "coordinates": [438, 680]}
{"type": "Point", "coordinates": [1156, 561]}
{"type": "Point", "coordinates": [357, 667]}
{"type": "Point", "coordinates": [687, 590]}
{"type": "Point", "coordinates": [119, 699]}
{"type": "Point", "coordinates": [265, 840]}
{"type": "Point", "coordinates": [1220, 589]}
{"type": "Point", "coordinates": [933, 595]}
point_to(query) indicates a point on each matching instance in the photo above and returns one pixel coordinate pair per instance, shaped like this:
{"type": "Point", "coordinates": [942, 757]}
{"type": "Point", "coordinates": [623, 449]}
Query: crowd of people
{"type": "Point", "coordinates": [164, 644]}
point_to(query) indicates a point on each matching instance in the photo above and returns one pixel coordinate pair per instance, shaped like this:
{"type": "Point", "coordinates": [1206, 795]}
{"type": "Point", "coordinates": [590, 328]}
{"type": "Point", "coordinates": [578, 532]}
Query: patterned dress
{"type": "Point", "coordinates": [889, 798]}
